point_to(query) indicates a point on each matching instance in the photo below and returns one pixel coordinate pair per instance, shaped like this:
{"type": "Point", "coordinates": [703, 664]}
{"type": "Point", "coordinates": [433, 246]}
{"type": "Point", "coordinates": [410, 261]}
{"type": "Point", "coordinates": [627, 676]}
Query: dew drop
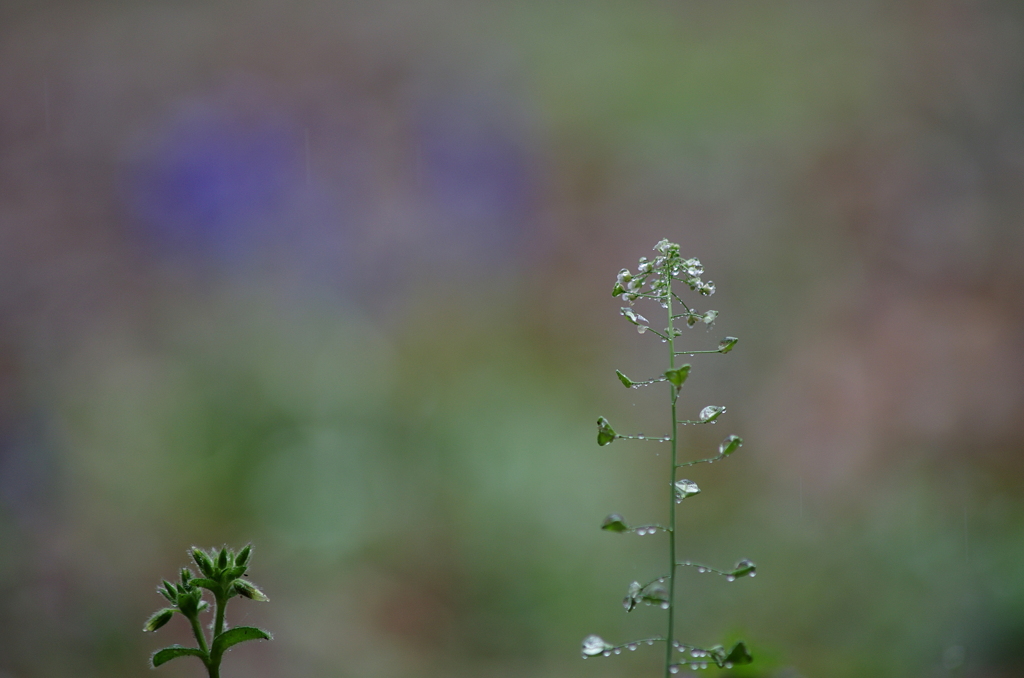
{"type": "Point", "coordinates": [701, 570]}
{"type": "Point", "coordinates": [632, 647]}
{"type": "Point", "coordinates": [694, 653]}
{"type": "Point", "coordinates": [711, 412]}
{"type": "Point", "coordinates": [673, 669]}
{"type": "Point", "coordinates": [607, 653]}
{"type": "Point", "coordinates": [650, 642]}
{"type": "Point", "coordinates": [618, 650]}
{"type": "Point", "coordinates": [685, 488]}
{"type": "Point", "coordinates": [703, 665]}
{"type": "Point", "coordinates": [594, 645]}
{"type": "Point", "coordinates": [728, 665]}
{"type": "Point", "coordinates": [752, 574]}
{"type": "Point", "coordinates": [664, 605]}
{"type": "Point", "coordinates": [730, 578]}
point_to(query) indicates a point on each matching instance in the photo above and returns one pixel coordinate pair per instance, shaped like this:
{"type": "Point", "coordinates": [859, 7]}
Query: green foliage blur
{"type": "Point", "coordinates": [334, 278]}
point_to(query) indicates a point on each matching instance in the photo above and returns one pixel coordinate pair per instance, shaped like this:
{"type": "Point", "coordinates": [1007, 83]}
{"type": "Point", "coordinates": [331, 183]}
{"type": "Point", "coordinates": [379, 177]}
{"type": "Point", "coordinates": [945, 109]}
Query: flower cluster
{"type": "Point", "coordinates": [657, 276]}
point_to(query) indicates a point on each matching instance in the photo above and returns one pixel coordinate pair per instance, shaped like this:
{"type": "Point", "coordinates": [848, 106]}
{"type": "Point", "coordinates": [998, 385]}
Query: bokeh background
{"type": "Point", "coordinates": [334, 277]}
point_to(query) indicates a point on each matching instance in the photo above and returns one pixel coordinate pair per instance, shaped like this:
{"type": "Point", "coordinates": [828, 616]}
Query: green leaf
{"type": "Point", "coordinates": [159, 618]}
{"type": "Point", "coordinates": [605, 433]}
{"type": "Point", "coordinates": [168, 591]}
{"type": "Point", "coordinates": [738, 655]}
{"type": "Point", "coordinates": [730, 445]}
{"type": "Point", "coordinates": [725, 345]}
{"type": "Point", "coordinates": [624, 379]}
{"type": "Point", "coordinates": [210, 584]}
{"type": "Point", "coordinates": [678, 376]}
{"type": "Point", "coordinates": [243, 556]}
{"type": "Point", "coordinates": [615, 523]}
{"type": "Point", "coordinates": [743, 568]}
{"type": "Point", "coordinates": [634, 317]}
{"type": "Point", "coordinates": [234, 636]}
{"type": "Point", "coordinates": [632, 596]}
{"type": "Point", "coordinates": [173, 652]}
{"type": "Point", "coordinates": [222, 559]}
{"type": "Point", "coordinates": [655, 594]}
{"type": "Point", "coordinates": [618, 289]}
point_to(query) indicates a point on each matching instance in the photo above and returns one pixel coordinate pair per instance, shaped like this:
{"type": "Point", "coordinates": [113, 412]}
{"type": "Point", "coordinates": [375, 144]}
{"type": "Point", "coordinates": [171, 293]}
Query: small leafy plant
{"type": "Point", "coordinates": [222, 575]}
{"type": "Point", "coordinates": [654, 281]}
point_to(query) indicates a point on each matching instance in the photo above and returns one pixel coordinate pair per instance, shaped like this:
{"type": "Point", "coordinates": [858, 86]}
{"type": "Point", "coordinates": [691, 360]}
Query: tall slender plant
{"type": "Point", "coordinates": [654, 281]}
{"type": "Point", "coordinates": [221, 573]}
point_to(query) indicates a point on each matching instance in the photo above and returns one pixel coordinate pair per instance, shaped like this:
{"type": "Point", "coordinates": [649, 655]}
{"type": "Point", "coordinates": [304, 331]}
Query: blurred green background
{"type": "Point", "coordinates": [334, 277]}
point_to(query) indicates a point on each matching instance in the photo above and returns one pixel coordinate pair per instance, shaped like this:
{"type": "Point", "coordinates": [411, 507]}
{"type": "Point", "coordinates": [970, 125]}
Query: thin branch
{"type": "Point", "coordinates": [701, 461]}
{"type": "Point", "coordinates": [704, 568]}
{"type": "Point", "coordinates": [656, 580]}
{"type": "Point", "coordinates": [649, 529]}
{"type": "Point", "coordinates": [692, 352]}
{"type": "Point", "coordinates": [647, 382]}
{"type": "Point", "coordinates": [655, 439]}
{"type": "Point", "coordinates": [632, 645]}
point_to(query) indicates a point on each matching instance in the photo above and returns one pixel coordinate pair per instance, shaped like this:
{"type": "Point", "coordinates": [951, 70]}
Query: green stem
{"type": "Point", "coordinates": [674, 394]}
{"type": "Point", "coordinates": [218, 624]}
{"type": "Point", "coordinates": [197, 630]}
{"type": "Point", "coordinates": [218, 628]}
{"type": "Point", "coordinates": [200, 637]}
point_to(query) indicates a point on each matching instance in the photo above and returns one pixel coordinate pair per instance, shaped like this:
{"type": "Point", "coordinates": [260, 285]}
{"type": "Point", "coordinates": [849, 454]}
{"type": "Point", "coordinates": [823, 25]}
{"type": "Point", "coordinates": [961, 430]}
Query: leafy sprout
{"type": "Point", "coordinates": [221, 574]}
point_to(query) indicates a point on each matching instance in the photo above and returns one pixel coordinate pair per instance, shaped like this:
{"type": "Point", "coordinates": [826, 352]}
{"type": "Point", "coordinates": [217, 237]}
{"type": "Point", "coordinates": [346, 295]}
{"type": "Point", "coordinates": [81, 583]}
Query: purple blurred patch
{"type": "Point", "coordinates": [212, 182]}
{"type": "Point", "coordinates": [477, 168]}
